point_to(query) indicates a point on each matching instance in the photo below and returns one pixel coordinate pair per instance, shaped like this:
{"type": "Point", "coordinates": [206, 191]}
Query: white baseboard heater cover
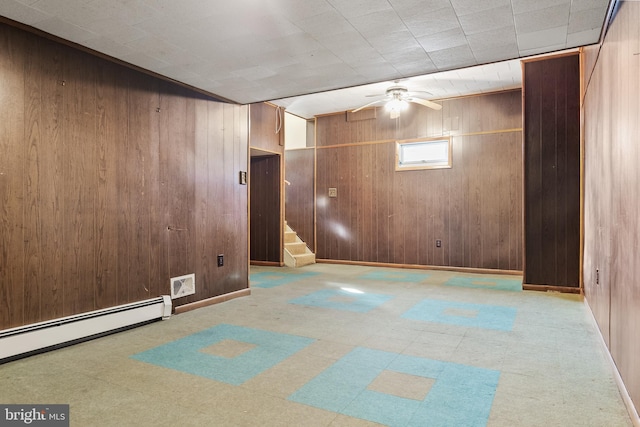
{"type": "Point", "coordinates": [54, 333]}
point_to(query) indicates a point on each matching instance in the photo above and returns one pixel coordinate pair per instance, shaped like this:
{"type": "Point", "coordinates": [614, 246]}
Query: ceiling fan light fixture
{"type": "Point", "coordinates": [396, 105]}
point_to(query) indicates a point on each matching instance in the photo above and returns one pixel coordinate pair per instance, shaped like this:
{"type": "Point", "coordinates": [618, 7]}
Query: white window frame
{"type": "Point", "coordinates": [442, 161]}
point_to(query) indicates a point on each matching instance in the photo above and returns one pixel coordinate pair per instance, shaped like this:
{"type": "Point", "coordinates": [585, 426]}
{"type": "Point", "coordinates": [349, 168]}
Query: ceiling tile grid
{"type": "Point", "coordinates": [250, 51]}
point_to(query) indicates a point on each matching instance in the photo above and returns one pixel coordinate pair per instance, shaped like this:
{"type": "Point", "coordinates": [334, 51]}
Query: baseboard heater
{"type": "Point", "coordinates": [26, 340]}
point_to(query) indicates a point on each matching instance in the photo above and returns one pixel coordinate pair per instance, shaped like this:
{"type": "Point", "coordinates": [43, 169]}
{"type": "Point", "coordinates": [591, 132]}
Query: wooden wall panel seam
{"type": "Point", "coordinates": [94, 178]}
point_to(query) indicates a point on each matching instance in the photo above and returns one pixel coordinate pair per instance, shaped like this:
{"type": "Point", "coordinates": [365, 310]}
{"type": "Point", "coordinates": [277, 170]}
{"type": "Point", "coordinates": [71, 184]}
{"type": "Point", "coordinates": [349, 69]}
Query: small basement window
{"type": "Point", "coordinates": [423, 154]}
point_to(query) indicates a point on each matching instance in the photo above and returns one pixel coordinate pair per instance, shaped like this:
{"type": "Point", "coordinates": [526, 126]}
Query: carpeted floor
{"type": "Point", "coordinates": [335, 345]}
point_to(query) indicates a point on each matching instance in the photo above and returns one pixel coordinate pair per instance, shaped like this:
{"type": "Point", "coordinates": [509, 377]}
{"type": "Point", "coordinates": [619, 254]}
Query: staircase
{"type": "Point", "coordinates": [296, 252]}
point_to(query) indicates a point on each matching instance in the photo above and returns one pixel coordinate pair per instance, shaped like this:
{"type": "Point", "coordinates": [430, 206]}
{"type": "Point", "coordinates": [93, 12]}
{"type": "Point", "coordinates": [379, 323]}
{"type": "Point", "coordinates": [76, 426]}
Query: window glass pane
{"type": "Point", "coordinates": [418, 154]}
{"type": "Point", "coordinates": [425, 152]}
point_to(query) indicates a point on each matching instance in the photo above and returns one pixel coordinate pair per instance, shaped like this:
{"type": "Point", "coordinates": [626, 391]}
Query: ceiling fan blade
{"type": "Point", "coordinates": [367, 105]}
{"type": "Point", "coordinates": [426, 103]}
{"type": "Point", "coordinates": [374, 94]}
{"type": "Point", "coordinates": [415, 92]}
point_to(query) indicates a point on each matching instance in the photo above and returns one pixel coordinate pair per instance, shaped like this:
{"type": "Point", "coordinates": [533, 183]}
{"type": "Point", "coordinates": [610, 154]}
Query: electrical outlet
{"type": "Point", "coordinates": [597, 276]}
{"type": "Point", "coordinates": [438, 243]}
{"type": "Point", "coordinates": [220, 260]}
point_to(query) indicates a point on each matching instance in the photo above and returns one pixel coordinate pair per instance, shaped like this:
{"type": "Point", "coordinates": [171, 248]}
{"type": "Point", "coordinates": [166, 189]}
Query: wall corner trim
{"type": "Point", "coordinates": [211, 301]}
{"type": "Point", "coordinates": [633, 414]}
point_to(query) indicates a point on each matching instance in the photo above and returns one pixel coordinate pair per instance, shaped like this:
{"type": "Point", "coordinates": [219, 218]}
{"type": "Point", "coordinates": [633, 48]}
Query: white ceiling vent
{"type": "Point", "coordinates": [183, 285]}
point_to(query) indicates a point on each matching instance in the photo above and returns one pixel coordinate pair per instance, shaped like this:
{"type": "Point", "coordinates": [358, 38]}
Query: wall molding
{"type": "Point", "coordinates": [633, 414]}
{"type": "Point", "coordinates": [211, 301]}
{"type": "Point", "coordinates": [423, 267]}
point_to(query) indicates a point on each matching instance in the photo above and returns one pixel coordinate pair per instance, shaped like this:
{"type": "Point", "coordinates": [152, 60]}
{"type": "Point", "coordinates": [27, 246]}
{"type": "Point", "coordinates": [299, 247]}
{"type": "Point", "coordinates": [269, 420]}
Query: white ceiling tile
{"type": "Point", "coordinates": [523, 6]}
{"type": "Point", "coordinates": [411, 54]}
{"type": "Point", "coordinates": [254, 73]}
{"type": "Point", "coordinates": [77, 12]}
{"type": "Point", "coordinates": [467, 7]}
{"type": "Point", "coordinates": [145, 61]}
{"type": "Point", "coordinates": [416, 68]}
{"type": "Point", "coordinates": [586, 20]}
{"type": "Point", "coordinates": [23, 13]}
{"type": "Point", "coordinates": [291, 45]}
{"type": "Point", "coordinates": [354, 8]}
{"type": "Point", "coordinates": [447, 59]}
{"type": "Point", "coordinates": [486, 56]}
{"type": "Point", "coordinates": [425, 22]}
{"type": "Point", "coordinates": [540, 39]}
{"type": "Point", "coordinates": [108, 47]}
{"type": "Point", "coordinates": [494, 39]}
{"type": "Point", "coordinates": [249, 51]}
{"type": "Point", "coordinates": [117, 31]}
{"type": "Point", "coordinates": [212, 27]}
{"type": "Point", "coordinates": [444, 40]}
{"type": "Point", "coordinates": [578, 5]}
{"type": "Point", "coordinates": [539, 50]}
{"type": "Point", "coordinates": [66, 30]}
{"type": "Point", "coordinates": [378, 23]}
{"type": "Point", "coordinates": [324, 24]}
{"type": "Point", "coordinates": [391, 42]}
{"type": "Point", "coordinates": [583, 38]}
{"type": "Point", "coordinates": [377, 72]}
{"type": "Point", "coordinates": [542, 19]}
{"type": "Point", "coordinates": [407, 7]}
{"type": "Point", "coordinates": [348, 46]}
{"type": "Point", "coordinates": [128, 12]}
{"type": "Point", "coordinates": [317, 58]}
{"type": "Point", "coordinates": [296, 10]}
{"type": "Point", "coordinates": [487, 19]}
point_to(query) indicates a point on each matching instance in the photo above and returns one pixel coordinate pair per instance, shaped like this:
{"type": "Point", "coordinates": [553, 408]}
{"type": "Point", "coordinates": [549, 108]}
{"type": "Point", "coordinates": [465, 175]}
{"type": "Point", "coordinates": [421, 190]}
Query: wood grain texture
{"type": "Point", "coordinates": [266, 183]}
{"type": "Point", "coordinates": [79, 181]}
{"type": "Point", "coordinates": [265, 243]}
{"type": "Point", "coordinates": [264, 123]}
{"type": "Point", "coordinates": [299, 200]}
{"type": "Point", "coordinates": [97, 163]}
{"type": "Point", "coordinates": [612, 193]}
{"type": "Point", "coordinates": [51, 184]}
{"type": "Point", "coordinates": [552, 171]}
{"type": "Point", "coordinates": [385, 216]}
{"type": "Point", "coordinates": [12, 166]}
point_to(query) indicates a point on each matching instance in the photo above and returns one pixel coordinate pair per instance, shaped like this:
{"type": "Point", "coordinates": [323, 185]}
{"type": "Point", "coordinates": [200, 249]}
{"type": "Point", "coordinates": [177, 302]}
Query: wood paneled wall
{"type": "Point", "coordinates": [111, 182]}
{"type": "Point", "coordinates": [552, 171]}
{"type": "Point", "coordinates": [299, 194]}
{"type": "Point", "coordinates": [267, 128]}
{"type": "Point", "coordinates": [380, 215]}
{"type": "Point", "coordinates": [612, 193]}
{"type": "Point", "coordinates": [266, 189]}
{"type": "Point", "coordinates": [265, 213]}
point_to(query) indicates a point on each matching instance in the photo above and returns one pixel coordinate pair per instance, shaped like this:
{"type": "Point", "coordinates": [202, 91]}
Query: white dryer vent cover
{"type": "Point", "coordinates": [183, 285]}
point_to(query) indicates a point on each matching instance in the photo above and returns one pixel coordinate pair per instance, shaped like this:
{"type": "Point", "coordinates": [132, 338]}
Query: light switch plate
{"type": "Point", "coordinates": [333, 192]}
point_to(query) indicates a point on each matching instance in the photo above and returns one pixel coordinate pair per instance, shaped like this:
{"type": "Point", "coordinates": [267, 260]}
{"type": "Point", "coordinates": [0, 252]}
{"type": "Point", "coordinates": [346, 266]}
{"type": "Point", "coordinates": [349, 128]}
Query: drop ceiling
{"type": "Point", "coordinates": [262, 50]}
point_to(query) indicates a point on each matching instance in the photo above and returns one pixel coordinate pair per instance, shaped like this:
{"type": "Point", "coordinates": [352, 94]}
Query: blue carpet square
{"type": "Point", "coordinates": [396, 276]}
{"type": "Point", "coordinates": [185, 354]}
{"type": "Point", "coordinates": [486, 283]}
{"type": "Point", "coordinates": [271, 279]}
{"type": "Point", "coordinates": [463, 314]}
{"type": "Point", "coordinates": [461, 395]}
{"type": "Point", "coordinates": [340, 299]}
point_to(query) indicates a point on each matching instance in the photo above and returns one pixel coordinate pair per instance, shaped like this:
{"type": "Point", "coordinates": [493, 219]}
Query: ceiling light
{"type": "Point", "coordinates": [396, 105]}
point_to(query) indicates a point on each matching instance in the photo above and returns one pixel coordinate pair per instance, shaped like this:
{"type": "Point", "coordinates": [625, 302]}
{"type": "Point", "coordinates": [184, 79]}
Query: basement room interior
{"type": "Point", "coordinates": [320, 213]}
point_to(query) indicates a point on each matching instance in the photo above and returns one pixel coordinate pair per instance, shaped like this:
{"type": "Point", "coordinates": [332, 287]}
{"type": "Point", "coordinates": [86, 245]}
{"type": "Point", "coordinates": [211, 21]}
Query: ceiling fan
{"type": "Point", "coordinates": [397, 99]}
